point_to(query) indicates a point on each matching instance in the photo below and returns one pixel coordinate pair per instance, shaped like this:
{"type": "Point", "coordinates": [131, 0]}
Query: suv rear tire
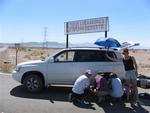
{"type": "Point", "coordinates": [33, 83]}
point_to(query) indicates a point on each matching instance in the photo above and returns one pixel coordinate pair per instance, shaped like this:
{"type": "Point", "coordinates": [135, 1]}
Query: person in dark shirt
{"type": "Point", "coordinates": [101, 87]}
{"type": "Point", "coordinates": [131, 75]}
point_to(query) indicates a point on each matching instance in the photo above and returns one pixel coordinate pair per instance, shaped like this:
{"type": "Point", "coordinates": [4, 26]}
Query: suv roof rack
{"type": "Point", "coordinates": [100, 47]}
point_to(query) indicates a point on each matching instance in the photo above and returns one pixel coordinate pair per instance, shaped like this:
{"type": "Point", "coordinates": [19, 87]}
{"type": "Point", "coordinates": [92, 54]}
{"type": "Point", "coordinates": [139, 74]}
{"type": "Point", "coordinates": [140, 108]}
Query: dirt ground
{"type": "Point", "coordinates": [8, 57]}
{"type": "Point", "coordinates": [143, 60]}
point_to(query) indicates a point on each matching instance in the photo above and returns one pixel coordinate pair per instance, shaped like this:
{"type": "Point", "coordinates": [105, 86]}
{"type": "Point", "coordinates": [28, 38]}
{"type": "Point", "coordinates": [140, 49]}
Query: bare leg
{"type": "Point", "coordinates": [135, 90]}
{"type": "Point", "coordinates": [127, 89]}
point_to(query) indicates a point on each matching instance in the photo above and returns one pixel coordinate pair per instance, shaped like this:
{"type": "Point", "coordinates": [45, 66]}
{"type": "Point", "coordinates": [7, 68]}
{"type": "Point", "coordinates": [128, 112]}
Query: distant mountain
{"type": "Point", "coordinates": [59, 45]}
{"type": "Point", "coordinates": [49, 44]}
{"type": "Point", "coordinates": [41, 44]}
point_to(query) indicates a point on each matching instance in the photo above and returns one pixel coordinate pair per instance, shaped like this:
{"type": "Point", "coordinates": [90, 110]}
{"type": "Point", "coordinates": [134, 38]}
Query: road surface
{"type": "Point", "coordinates": [13, 99]}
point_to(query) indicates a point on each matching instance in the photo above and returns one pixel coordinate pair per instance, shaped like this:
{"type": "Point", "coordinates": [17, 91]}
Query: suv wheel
{"type": "Point", "coordinates": [33, 83]}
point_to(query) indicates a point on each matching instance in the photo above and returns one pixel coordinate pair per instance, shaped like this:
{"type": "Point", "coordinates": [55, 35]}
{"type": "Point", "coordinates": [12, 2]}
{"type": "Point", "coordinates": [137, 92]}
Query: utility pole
{"type": "Point", "coordinates": [45, 45]}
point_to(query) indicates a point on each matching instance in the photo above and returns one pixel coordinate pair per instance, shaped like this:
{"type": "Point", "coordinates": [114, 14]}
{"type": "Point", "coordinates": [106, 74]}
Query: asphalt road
{"type": "Point", "coordinates": [13, 99]}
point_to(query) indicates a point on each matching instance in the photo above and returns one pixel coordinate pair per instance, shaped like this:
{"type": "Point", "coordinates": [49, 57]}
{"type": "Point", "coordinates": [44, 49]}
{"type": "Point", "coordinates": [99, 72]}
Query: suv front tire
{"type": "Point", "coordinates": [33, 83]}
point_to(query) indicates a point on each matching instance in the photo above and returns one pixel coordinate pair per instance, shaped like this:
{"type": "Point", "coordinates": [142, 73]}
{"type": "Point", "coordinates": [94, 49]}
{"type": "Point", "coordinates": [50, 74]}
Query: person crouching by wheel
{"type": "Point", "coordinates": [81, 84]}
{"type": "Point", "coordinates": [115, 84]}
{"type": "Point", "coordinates": [101, 87]}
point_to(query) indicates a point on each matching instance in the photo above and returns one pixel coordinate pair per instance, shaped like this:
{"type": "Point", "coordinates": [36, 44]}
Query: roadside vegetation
{"type": "Point", "coordinates": [8, 57]}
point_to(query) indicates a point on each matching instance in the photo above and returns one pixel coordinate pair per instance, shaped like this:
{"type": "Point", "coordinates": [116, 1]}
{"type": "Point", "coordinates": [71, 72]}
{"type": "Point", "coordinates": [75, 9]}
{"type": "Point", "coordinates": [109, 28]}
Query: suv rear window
{"type": "Point", "coordinates": [94, 56]}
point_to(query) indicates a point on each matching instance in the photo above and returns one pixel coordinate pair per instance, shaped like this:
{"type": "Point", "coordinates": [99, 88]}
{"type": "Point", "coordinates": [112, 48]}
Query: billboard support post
{"type": "Point", "coordinates": [106, 26]}
{"type": "Point", "coordinates": [105, 34]}
{"type": "Point", "coordinates": [67, 36]}
{"type": "Point", "coordinates": [67, 40]}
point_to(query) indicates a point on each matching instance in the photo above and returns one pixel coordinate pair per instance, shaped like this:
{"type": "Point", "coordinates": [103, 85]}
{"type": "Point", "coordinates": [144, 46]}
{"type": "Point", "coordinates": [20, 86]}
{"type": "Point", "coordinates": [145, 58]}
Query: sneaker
{"type": "Point", "coordinates": [133, 104]}
{"type": "Point", "coordinates": [82, 102]}
{"type": "Point", "coordinates": [85, 102]}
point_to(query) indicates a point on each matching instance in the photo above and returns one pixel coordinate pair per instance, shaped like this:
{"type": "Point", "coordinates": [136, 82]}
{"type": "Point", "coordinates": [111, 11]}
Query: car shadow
{"type": "Point", "coordinates": [53, 93]}
{"type": "Point", "coordinates": [122, 107]}
{"type": "Point", "coordinates": [57, 93]}
{"type": "Point", "coordinates": [144, 99]}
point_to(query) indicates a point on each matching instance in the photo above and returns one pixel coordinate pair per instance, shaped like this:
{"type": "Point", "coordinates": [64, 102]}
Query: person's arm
{"type": "Point", "coordinates": [135, 65]}
{"type": "Point", "coordinates": [110, 83]}
{"type": "Point", "coordinates": [87, 84]}
{"type": "Point", "coordinates": [93, 85]}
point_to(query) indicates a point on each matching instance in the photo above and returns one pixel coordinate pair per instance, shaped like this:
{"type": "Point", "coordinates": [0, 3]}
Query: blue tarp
{"type": "Point", "coordinates": [107, 42]}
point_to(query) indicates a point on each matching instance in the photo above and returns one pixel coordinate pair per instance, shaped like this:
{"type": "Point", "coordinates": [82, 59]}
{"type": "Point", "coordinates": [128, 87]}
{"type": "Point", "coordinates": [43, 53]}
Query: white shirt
{"type": "Point", "coordinates": [81, 84]}
{"type": "Point", "coordinates": [117, 90]}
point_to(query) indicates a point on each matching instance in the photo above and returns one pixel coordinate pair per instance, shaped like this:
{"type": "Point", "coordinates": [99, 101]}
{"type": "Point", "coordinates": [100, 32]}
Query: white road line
{"type": "Point", "coordinates": [5, 73]}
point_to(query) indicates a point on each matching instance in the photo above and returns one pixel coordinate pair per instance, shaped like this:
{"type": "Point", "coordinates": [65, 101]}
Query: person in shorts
{"type": "Point", "coordinates": [131, 75]}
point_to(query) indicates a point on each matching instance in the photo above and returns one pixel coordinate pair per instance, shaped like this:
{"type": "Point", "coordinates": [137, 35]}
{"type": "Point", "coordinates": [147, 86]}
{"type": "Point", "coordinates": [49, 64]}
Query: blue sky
{"type": "Point", "coordinates": [24, 20]}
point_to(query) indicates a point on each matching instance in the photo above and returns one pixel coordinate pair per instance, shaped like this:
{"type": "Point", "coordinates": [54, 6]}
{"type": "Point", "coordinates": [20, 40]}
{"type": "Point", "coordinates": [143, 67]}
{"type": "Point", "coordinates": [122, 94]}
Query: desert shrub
{"type": "Point", "coordinates": [145, 66]}
{"type": "Point", "coordinates": [42, 53]}
{"type": "Point", "coordinates": [27, 57]}
{"type": "Point", "coordinates": [29, 49]}
{"type": "Point", "coordinates": [133, 51]}
{"type": "Point", "coordinates": [36, 53]}
{"type": "Point", "coordinates": [23, 49]}
{"type": "Point", "coordinates": [42, 57]}
{"type": "Point", "coordinates": [7, 67]}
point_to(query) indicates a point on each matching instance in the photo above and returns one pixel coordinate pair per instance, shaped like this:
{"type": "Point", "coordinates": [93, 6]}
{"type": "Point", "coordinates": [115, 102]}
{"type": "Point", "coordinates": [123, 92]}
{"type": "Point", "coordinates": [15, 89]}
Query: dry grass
{"type": "Point", "coordinates": [143, 60]}
{"type": "Point", "coordinates": [8, 57]}
{"type": "Point", "coordinates": [7, 67]}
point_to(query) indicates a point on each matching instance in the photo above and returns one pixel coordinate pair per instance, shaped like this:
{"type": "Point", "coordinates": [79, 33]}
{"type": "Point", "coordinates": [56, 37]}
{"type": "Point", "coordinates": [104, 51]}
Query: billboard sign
{"type": "Point", "coordinates": [87, 26]}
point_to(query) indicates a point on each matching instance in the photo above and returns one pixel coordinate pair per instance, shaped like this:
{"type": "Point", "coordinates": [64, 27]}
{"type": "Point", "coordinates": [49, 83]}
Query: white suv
{"type": "Point", "coordinates": [64, 67]}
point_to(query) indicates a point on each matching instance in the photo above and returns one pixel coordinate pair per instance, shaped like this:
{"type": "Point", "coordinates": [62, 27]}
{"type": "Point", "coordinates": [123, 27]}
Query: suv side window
{"type": "Point", "coordinates": [65, 56]}
{"type": "Point", "coordinates": [94, 56]}
{"type": "Point", "coordinates": [110, 56]}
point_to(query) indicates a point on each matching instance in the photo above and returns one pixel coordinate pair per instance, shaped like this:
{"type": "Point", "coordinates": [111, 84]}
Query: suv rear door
{"type": "Point", "coordinates": [96, 60]}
